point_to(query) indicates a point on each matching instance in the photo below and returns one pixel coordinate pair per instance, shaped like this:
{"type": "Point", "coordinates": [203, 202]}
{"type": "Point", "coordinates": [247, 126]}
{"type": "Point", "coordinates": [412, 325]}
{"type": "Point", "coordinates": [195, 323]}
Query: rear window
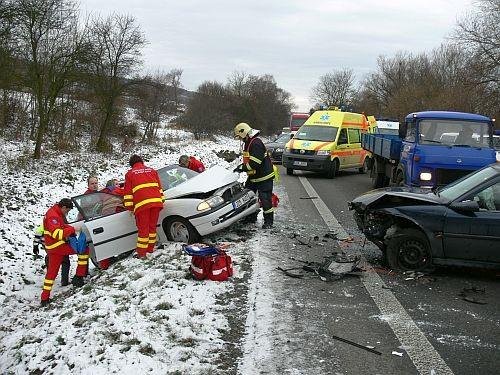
{"type": "Point", "coordinates": [317, 133]}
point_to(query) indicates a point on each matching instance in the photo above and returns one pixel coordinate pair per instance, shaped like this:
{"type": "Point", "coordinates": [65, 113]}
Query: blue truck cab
{"type": "Point", "coordinates": [433, 148]}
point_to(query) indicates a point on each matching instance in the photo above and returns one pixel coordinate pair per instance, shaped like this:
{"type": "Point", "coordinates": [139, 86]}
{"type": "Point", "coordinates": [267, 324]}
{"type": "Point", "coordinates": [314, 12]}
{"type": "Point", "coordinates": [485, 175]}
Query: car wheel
{"type": "Point", "coordinates": [409, 250]}
{"type": "Point", "coordinates": [179, 229]}
{"type": "Point", "coordinates": [289, 171]}
{"type": "Point", "coordinates": [112, 260]}
{"type": "Point", "coordinates": [333, 169]}
{"type": "Point", "coordinates": [365, 166]}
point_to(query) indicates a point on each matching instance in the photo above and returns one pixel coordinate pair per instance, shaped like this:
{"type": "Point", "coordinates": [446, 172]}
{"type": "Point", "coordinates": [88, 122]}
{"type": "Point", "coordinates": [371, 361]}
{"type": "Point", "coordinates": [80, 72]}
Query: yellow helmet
{"type": "Point", "coordinates": [242, 129]}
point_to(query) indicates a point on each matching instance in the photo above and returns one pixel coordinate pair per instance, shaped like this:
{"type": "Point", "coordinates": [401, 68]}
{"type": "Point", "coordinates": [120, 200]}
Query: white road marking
{"type": "Point", "coordinates": [423, 355]}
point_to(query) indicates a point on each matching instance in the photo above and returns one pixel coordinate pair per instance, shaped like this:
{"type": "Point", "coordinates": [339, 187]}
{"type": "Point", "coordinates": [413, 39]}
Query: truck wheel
{"type": "Point", "coordinates": [289, 171]}
{"type": "Point", "coordinates": [409, 250]}
{"type": "Point", "coordinates": [333, 168]}
{"type": "Point", "coordinates": [378, 179]}
{"type": "Point", "coordinates": [400, 180]}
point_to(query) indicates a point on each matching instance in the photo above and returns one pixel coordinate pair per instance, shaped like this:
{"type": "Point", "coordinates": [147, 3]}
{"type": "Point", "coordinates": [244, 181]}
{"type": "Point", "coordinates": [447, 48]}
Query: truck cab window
{"type": "Point", "coordinates": [411, 132]}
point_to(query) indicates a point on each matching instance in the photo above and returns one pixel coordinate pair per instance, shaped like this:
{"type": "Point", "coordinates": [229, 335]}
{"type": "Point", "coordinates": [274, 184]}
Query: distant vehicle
{"type": "Point", "coordinates": [328, 141]}
{"type": "Point", "coordinates": [297, 120]}
{"type": "Point", "coordinates": [276, 147]}
{"type": "Point", "coordinates": [197, 204]}
{"type": "Point", "coordinates": [383, 126]}
{"type": "Point", "coordinates": [433, 148]}
{"type": "Point", "coordinates": [458, 224]}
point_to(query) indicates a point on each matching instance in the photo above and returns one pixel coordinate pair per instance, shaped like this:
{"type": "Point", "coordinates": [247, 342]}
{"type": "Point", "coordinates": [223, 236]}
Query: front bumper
{"type": "Point", "coordinates": [223, 217]}
{"type": "Point", "coordinates": [306, 162]}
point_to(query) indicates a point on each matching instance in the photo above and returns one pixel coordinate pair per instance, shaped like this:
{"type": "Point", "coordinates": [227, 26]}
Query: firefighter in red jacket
{"type": "Point", "coordinates": [56, 233]}
{"type": "Point", "coordinates": [260, 171]}
{"type": "Point", "coordinates": [192, 163]}
{"type": "Point", "coordinates": [144, 197]}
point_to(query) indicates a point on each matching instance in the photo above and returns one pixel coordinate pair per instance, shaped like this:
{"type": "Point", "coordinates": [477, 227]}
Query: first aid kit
{"type": "Point", "coordinates": [209, 262]}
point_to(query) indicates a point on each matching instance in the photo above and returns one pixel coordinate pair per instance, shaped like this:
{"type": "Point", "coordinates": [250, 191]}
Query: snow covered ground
{"type": "Point", "coordinates": [136, 317]}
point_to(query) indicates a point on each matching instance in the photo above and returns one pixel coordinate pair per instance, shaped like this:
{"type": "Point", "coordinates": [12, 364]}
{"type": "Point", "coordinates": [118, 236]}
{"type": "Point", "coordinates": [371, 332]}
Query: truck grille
{"type": "Point", "coordinates": [445, 176]}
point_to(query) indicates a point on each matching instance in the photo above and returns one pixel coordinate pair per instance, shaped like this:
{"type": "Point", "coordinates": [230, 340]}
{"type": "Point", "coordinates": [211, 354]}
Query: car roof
{"type": "Point", "coordinates": [447, 115]}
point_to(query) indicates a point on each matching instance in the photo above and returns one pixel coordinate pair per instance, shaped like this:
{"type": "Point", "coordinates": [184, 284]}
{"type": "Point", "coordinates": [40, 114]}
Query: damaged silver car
{"type": "Point", "coordinates": [458, 224]}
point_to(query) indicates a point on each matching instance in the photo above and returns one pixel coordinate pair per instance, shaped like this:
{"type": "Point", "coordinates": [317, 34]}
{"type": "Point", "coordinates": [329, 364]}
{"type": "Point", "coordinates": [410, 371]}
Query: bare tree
{"type": "Point", "coordinates": [173, 82]}
{"type": "Point", "coordinates": [116, 50]}
{"type": "Point", "coordinates": [49, 41]}
{"type": "Point", "coordinates": [334, 88]}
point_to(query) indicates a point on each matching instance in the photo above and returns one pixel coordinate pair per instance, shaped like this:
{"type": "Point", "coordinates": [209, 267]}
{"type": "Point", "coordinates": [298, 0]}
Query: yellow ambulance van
{"type": "Point", "coordinates": [328, 141]}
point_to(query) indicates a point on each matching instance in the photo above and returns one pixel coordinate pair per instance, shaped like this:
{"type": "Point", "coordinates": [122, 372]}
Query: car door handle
{"type": "Point", "coordinates": [98, 230]}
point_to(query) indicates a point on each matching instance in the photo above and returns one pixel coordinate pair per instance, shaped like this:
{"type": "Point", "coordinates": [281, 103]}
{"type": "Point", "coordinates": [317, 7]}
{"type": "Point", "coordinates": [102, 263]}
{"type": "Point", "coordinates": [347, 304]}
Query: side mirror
{"type": "Point", "coordinates": [403, 129]}
{"type": "Point", "coordinates": [466, 206]}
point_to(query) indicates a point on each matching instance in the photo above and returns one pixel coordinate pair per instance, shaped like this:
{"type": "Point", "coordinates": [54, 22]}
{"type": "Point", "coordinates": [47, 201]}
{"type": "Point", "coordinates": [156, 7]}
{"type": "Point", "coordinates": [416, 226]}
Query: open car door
{"type": "Point", "coordinates": [109, 228]}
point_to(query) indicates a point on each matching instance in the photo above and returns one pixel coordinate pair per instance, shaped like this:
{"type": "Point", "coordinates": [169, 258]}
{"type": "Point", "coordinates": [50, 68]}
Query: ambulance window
{"type": "Point", "coordinates": [353, 135]}
{"type": "Point", "coordinates": [342, 137]}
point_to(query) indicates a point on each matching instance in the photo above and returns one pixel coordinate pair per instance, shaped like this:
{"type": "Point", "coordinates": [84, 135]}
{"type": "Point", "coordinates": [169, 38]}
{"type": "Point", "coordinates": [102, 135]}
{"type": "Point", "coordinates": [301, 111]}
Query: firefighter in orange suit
{"type": "Point", "coordinates": [143, 195]}
{"type": "Point", "coordinates": [260, 171]}
{"type": "Point", "coordinates": [56, 232]}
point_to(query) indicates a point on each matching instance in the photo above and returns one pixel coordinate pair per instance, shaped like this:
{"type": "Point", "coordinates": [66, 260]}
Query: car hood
{"type": "Point", "coordinates": [416, 195]}
{"type": "Point", "coordinates": [275, 145]}
{"type": "Point", "coordinates": [211, 179]}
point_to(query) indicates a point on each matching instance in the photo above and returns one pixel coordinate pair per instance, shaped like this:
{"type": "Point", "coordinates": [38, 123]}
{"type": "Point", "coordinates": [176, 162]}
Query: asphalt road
{"type": "Point", "coordinates": [464, 336]}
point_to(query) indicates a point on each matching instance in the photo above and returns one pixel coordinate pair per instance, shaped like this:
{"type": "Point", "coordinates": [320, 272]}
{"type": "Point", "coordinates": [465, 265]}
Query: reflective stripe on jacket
{"type": "Point", "coordinates": [256, 161]}
{"type": "Point", "coordinates": [142, 188]}
{"type": "Point", "coordinates": [55, 228]}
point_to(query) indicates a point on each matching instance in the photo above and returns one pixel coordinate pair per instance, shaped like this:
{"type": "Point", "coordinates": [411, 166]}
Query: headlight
{"type": "Point", "coordinates": [426, 176]}
{"type": "Point", "coordinates": [209, 203]}
{"type": "Point", "coordinates": [278, 150]}
{"type": "Point", "coordinates": [323, 152]}
{"type": "Point", "coordinates": [288, 149]}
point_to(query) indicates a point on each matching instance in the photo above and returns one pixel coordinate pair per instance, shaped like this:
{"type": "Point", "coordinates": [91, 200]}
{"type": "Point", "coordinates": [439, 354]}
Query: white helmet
{"type": "Point", "coordinates": [242, 129]}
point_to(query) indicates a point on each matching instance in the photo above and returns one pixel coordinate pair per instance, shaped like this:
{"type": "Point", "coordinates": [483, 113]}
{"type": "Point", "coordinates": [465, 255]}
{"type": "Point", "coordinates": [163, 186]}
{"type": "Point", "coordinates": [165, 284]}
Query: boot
{"type": "Point", "coordinates": [268, 220]}
{"type": "Point", "coordinates": [77, 281]}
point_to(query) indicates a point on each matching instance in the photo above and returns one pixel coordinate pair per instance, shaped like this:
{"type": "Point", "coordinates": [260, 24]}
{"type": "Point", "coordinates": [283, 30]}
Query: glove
{"type": "Point", "coordinates": [238, 169]}
{"type": "Point", "coordinates": [36, 250]}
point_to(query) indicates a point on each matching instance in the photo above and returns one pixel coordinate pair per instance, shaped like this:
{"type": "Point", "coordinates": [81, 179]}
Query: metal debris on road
{"type": "Point", "coordinates": [397, 353]}
{"type": "Point", "coordinates": [369, 349]}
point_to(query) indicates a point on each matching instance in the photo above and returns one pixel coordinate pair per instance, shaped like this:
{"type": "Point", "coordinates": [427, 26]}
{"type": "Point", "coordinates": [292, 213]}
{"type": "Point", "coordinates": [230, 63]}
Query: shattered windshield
{"type": "Point", "coordinates": [465, 184]}
{"type": "Point", "coordinates": [174, 175]}
{"type": "Point", "coordinates": [317, 133]}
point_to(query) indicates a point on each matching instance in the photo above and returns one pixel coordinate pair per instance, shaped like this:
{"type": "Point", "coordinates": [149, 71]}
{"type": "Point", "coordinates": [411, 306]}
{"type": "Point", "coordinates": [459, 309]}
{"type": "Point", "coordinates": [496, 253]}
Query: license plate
{"type": "Point", "coordinates": [300, 163]}
{"type": "Point", "coordinates": [241, 201]}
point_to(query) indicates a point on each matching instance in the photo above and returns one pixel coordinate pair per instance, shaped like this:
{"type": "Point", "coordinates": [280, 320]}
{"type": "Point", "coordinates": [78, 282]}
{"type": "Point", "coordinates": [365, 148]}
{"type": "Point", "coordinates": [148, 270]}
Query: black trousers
{"type": "Point", "coordinates": [264, 190]}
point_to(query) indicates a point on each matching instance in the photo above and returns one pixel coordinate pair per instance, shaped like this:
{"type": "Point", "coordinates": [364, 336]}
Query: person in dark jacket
{"type": "Point", "coordinates": [259, 168]}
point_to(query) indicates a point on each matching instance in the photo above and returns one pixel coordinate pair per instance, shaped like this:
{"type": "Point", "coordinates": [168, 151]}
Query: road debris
{"type": "Point", "coordinates": [470, 295]}
{"type": "Point", "coordinates": [369, 349]}
{"type": "Point", "coordinates": [397, 353]}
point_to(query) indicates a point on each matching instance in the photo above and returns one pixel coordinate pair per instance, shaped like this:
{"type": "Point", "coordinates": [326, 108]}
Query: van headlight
{"type": "Point", "coordinates": [425, 176]}
{"type": "Point", "coordinates": [287, 149]}
{"type": "Point", "coordinates": [323, 152]}
{"type": "Point", "coordinates": [210, 203]}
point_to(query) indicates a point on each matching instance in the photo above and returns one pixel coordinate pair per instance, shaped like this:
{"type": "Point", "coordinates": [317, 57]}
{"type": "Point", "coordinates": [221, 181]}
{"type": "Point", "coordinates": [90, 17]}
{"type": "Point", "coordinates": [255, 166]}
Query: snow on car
{"type": "Point", "coordinates": [196, 204]}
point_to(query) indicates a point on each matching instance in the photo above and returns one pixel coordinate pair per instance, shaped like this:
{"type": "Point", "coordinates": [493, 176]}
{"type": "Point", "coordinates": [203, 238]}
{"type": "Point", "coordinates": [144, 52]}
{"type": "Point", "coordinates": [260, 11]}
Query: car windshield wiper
{"type": "Point", "coordinates": [432, 141]}
{"type": "Point", "coordinates": [435, 190]}
{"type": "Point", "coordinates": [462, 145]}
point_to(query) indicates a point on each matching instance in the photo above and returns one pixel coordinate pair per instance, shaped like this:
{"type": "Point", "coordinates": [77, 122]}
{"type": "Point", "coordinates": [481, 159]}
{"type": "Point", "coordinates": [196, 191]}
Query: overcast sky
{"type": "Point", "coordinates": [296, 41]}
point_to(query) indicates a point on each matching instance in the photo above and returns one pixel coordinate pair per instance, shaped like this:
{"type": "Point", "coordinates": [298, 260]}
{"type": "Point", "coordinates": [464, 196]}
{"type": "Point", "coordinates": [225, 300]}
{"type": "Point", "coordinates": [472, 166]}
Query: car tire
{"type": "Point", "coordinates": [365, 167]}
{"type": "Point", "coordinates": [112, 260]}
{"type": "Point", "coordinates": [179, 229]}
{"type": "Point", "coordinates": [409, 250]}
{"type": "Point", "coordinates": [333, 169]}
{"type": "Point", "coordinates": [289, 171]}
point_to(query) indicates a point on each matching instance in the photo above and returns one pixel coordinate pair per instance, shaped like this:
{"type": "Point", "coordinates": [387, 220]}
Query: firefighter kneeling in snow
{"type": "Point", "coordinates": [56, 235]}
{"type": "Point", "coordinates": [260, 171]}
